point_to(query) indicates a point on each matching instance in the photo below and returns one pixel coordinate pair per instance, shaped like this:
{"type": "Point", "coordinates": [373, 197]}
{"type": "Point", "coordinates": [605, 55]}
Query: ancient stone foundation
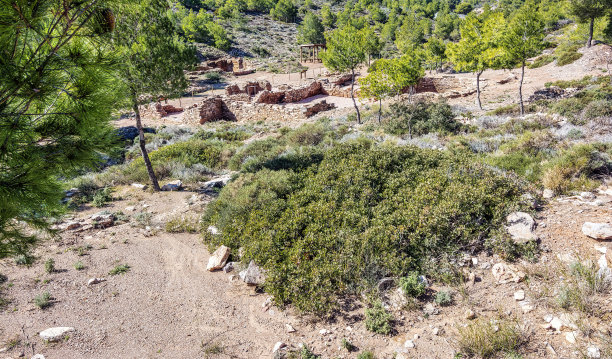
{"type": "Point", "coordinates": [157, 110]}
{"type": "Point", "coordinates": [210, 109]}
{"type": "Point", "coordinates": [291, 95]}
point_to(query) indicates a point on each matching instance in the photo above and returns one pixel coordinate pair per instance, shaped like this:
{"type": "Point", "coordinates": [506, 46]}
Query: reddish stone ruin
{"type": "Point", "coordinates": [157, 110]}
{"type": "Point", "coordinates": [251, 88]}
{"type": "Point", "coordinates": [291, 95]}
{"type": "Point", "coordinates": [318, 107]}
{"type": "Point", "coordinates": [214, 109]}
{"type": "Point", "coordinates": [235, 65]}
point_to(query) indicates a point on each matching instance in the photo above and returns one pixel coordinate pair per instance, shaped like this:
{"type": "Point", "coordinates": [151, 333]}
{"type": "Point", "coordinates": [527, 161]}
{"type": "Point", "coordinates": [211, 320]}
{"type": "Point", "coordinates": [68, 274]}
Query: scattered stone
{"type": "Point", "coordinates": [289, 328]}
{"type": "Point", "coordinates": [435, 331]}
{"type": "Point", "coordinates": [218, 258]}
{"type": "Point", "coordinates": [526, 306]}
{"type": "Point", "coordinates": [505, 273]}
{"type": "Point", "coordinates": [55, 334]}
{"type": "Point", "coordinates": [385, 284]}
{"type": "Point", "coordinates": [93, 281]}
{"type": "Point", "coordinates": [278, 346]}
{"type": "Point", "coordinates": [599, 231]}
{"type": "Point", "coordinates": [324, 332]}
{"type": "Point", "coordinates": [551, 350]}
{"type": "Point", "coordinates": [139, 186]}
{"type": "Point", "coordinates": [229, 267]}
{"type": "Point", "coordinates": [548, 194]}
{"type": "Point", "coordinates": [519, 295]}
{"type": "Point", "coordinates": [409, 344]}
{"type": "Point", "coordinates": [38, 356]}
{"type": "Point", "coordinates": [103, 220]}
{"type": "Point", "coordinates": [521, 227]}
{"type": "Point", "coordinates": [557, 324]}
{"type": "Point", "coordinates": [130, 208]}
{"type": "Point", "coordinates": [253, 275]}
{"type": "Point", "coordinates": [587, 196]}
{"type": "Point", "coordinates": [593, 352]}
{"type": "Point", "coordinates": [470, 315]}
{"type": "Point", "coordinates": [172, 186]}
{"type": "Point", "coordinates": [72, 225]}
{"type": "Point", "coordinates": [571, 337]}
{"type": "Point", "coordinates": [215, 184]}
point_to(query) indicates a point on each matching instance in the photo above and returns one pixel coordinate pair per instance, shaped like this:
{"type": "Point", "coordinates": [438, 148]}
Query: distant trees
{"type": "Point", "coordinates": [152, 60]}
{"type": "Point", "coordinates": [389, 77]}
{"type": "Point", "coordinates": [346, 50]}
{"type": "Point", "coordinates": [523, 39]}
{"type": "Point", "coordinates": [588, 11]}
{"type": "Point", "coordinates": [285, 10]}
{"type": "Point", "coordinates": [201, 27]}
{"type": "Point", "coordinates": [311, 30]}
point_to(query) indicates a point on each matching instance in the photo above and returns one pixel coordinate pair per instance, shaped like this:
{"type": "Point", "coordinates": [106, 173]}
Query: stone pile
{"type": "Point", "coordinates": [210, 109]}
{"type": "Point", "coordinates": [318, 107]}
{"type": "Point", "coordinates": [157, 110]}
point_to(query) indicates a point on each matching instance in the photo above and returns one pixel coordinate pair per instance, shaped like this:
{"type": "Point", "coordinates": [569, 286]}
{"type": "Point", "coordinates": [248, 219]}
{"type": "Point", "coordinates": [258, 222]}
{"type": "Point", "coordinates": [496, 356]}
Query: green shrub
{"type": "Point", "coordinates": [541, 61]}
{"type": "Point", "coordinates": [598, 109]}
{"type": "Point", "coordinates": [79, 265]}
{"type": "Point", "coordinates": [512, 109]}
{"type": "Point", "coordinates": [256, 152]}
{"type": "Point", "coordinates": [444, 298]}
{"type": "Point", "coordinates": [567, 54]}
{"type": "Point", "coordinates": [119, 269]}
{"type": "Point", "coordinates": [306, 135]}
{"type": "Point", "coordinates": [420, 119]}
{"type": "Point", "coordinates": [520, 163]}
{"type": "Point", "coordinates": [43, 300]}
{"type": "Point", "coordinates": [143, 219]}
{"type": "Point", "coordinates": [569, 107]}
{"type": "Point", "coordinates": [378, 320]}
{"type": "Point", "coordinates": [182, 224]}
{"type": "Point", "coordinates": [582, 282]}
{"type": "Point", "coordinates": [306, 353]}
{"type": "Point", "coordinates": [24, 260]}
{"type": "Point", "coordinates": [578, 168]}
{"type": "Point", "coordinates": [347, 345]}
{"type": "Point", "coordinates": [486, 338]}
{"type": "Point", "coordinates": [50, 265]}
{"type": "Point", "coordinates": [413, 285]}
{"type": "Point", "coordinates": [366, 355]}
{"type": "Point", "coordinates": [102, 197]}
{"type": "Point", "coordinates": [213, 77]}
{"type": "Point", "coordinates": [359, 214]}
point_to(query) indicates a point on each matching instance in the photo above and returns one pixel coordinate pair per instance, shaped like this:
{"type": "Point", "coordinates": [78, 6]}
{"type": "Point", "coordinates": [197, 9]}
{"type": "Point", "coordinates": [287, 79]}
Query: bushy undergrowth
{"type": "Point", "coordinates": [420, 119]}
{"type": "Point", "coordinates": [357, 214]}
{"type": "Point", "coordinates": [485, 338]}
{"type": "Point", "coordinates": [378, 320]}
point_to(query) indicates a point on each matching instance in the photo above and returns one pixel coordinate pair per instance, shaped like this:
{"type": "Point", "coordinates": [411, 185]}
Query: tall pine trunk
{"type": "Point", "coordinates": [590, 41]}
{"type": "Point", "coordinates": [143, 149]}
{"type": "Point", "coordinates": [379, 109]}
{"type": "Point", "coordinates": [353, 96]}
{"type": "Point", "coordinates": [478, 89]}
{"type": "Point", "coordinates": [521, 88]}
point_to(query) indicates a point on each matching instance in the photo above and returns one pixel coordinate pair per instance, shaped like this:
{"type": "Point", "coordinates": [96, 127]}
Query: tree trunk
{"type": "Point", "coordinates": [590, 41]}
{"type": "Point", "coordinates": [353, 96]}
{"type": "Point", "coordinates": [143, 149]}
{"type": "Point", "coordinates": [379, 109]}
{"type": "Point", "coordinates": [478, 89]}
{"type": "Point", "coordinates": [521, 88]}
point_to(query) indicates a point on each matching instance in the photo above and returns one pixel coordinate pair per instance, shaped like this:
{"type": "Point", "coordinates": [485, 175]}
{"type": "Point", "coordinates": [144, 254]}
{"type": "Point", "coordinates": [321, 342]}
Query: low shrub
{"type": "Point", "coordinates": [541, 61]}
{"type": "Point", "coordinates": [444, 298]}
{"type": "Point", "coordinates": [43, 300]}
{"type": "Point", "coordinates": [102, 197]}
{"type": "Point", "coordinates": [79, 265]}
{"type": "Point", "coordinates": [306, 135]}
{"type": "Point", "coordinates": [578, 168]}
{"type": "Point", "coordinates": [250, 156]}
{"type": "Point", "coordinates": [119, 269]}
{"type": "Point", "coordinates": [583, 282]}
{"type": "Point", "coordinates": [378, 320]}
{"type": "Point", "coordinates": [507, 110]}
{"type": "Point", "coordinates": [359, 214]}
{"type": "Point", "coordinates": [413, 285]}
{"type": "Point", "coordinates": [50, 265]}
{"type": "Point", "coordinates": [182, 224]}
{"type": "Point", "coordinates": [486, 338]}
{"type": "Point", "coordinates": [567, 54]}
{"type": "Point", "coordinates": [598, 109]}
{"type": "Point", "coordinates": [366, 355]}
{"type": "Point", "coordinates": [420, 119]}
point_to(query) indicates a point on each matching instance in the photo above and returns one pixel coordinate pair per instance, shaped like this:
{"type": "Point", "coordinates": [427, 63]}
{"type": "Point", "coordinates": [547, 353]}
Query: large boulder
{"type": "Point", "coordinates": [521, 226]}
{"type": "Point", "coordinates": [218, 258]}
{"type": "Point", "coordinates": [599, 231]}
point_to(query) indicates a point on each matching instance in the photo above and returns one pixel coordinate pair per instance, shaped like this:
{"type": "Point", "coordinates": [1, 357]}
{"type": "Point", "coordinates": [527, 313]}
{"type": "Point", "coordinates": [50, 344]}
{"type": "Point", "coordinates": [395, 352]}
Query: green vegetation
{"type": "Point", "coordinates": [420, 119]}
{"type": "Point", "coordinates": [102, 197]}
{"type": "Point", "coordinates": [50, 265]}
{"type": "Point", "coordinates": [43, 300]}
{"type": "Point", "coordinates": [119, 269]}
{"type": "Point", "coordinates": [413, 285]}
{"type": "Point", "coordinates": [366, 355]}
{"type": "Point", "coordinates": [444, 298]}
{"type": "Point", "coordinates": [378, 320]}
{"type": "Point", "coordinates": [79, 265]}
{"type": "Point", "coordinates": [486, 338]}
{"type": "Point", "coordinates": [583, 282]}
{"type": "Point", "coordinates": [182, 224]}
{"type": "Point", "coordinates": [304, 220]}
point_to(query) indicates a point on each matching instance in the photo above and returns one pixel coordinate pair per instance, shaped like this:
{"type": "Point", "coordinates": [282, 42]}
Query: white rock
{"type": "Point", "coordinates": [600, 231]}
{"type": "Point", "coordinates": [593, 352]}
{"type": "Point", "coordinates": [505, 273]}
{"type": "Point", "coordinates": [253, 275]}
{"type": "Point", "coordinates": [139, 186]}
{"type": "Point", "coordinates": [571, 337]}
{"type": "Point", "coordinates": [469, 314]}
{"type": "Point", "coordinates": [548, 318]}
{"type": "Point", "coordinates": [548, 193]}
{"type": "Point", "coordinates": [38, 356]}
{"type": "Point", "coordinates": [435, 331]}
{"type": "Point", "coordinates": [323, 331]}
{"type": "Point", "coordinates": [213, 230]}
{"type": "Point", "coordinates": [93, 281]}
{"type": "Point", "coordinates": [278, 346]}
{"type": "Point", "coordinates": [520, 226]}
{"type": "Point", "coordinates": [54, 334]}
{"type": "Point", "coordinates": [218, 258]}
{"type": "Point", "coordinates": [519, 295]}
{"type": "Point", "coordinates": [289, 328]}
{"type": "Point", "coordinates": [556, 324]}
{"type": "Point", "coordinates": [409, 344]}
{"type": "Point", "coordinates": [587, 196]}
{"type": "Point", "coordinates": [130, 208]}
{"type": "Point", "coordinates": [603, 249]}
{"type": "Point", "coordinates": [526, 306]}
{"type": "Point", "coordinates": [172, 186]}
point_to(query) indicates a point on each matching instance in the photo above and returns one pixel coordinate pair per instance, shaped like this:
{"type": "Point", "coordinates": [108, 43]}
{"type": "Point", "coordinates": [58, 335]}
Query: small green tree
{"type": "Point", "coordinates": [479, 47]}
{"type": "Point", "coordinates": [523, 39]}
{"type": "Point", "coordinates": [311, 30]}
{"type": "Point", "coordinates": [285, 10]}
{"type": "Point", "coordinates": [588, 11]}
{"type": "Point", "coordinates": [435, 52]}
{"type": "Point", "coordinates": [328, 17]}
{"type": "Point", "coordinates": [153, 60]}
{"type": "Point", "coordinates": [345, 52]}
{"type": "Point", "coordinates": [56, 98]}
{"type": "Point", "coordinates": [390, 77]}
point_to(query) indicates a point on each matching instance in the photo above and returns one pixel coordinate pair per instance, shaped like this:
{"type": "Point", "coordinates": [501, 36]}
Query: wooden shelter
{"type": "Point", "coordinates": [310, 52]}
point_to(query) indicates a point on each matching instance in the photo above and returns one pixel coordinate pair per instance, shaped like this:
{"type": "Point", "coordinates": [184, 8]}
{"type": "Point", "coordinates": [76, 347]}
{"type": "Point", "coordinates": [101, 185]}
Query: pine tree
{"type": "Point", "coordinates": [524, 39]}
{"type": "Point", "coordinates": [345, 52]}
{"type": "Point", "coordinates": [153, 60]}
{"type": "Point", "coordinates": [311, 30]}
{"type": "Point", "coordinates": [56, 97]}
{"type": "Point", "coordinates": [588, 11]}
